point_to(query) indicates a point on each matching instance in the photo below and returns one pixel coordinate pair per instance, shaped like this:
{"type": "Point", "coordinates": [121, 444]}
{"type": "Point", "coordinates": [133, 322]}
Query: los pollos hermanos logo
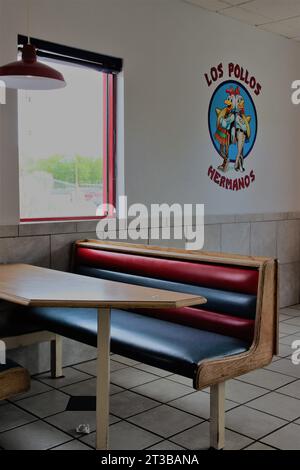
{"type": "Point", "coordinates": [232, 122]}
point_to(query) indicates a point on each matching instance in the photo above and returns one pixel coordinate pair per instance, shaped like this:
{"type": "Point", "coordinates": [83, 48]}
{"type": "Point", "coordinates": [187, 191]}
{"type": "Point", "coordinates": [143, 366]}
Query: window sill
{"type": "Point", "coordinates": [49, 228]}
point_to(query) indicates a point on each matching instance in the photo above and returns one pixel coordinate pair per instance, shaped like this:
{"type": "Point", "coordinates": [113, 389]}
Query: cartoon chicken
{"type": "Point", "coordinates": [225, 124]}
{"type": "Point", "coordinates": [242, 130]}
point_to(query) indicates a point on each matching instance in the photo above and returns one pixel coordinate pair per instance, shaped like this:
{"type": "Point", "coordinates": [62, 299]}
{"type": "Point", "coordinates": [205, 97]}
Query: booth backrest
{"type": "Point", "coordinates": [230, 290]}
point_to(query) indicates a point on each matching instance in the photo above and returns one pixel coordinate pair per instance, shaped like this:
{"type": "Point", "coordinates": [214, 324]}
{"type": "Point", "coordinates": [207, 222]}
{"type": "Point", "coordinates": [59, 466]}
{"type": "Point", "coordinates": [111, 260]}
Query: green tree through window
{"type": "Point", "coordinates": [79, 170]}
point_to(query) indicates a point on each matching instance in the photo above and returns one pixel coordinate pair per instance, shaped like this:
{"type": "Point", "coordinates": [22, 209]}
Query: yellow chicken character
{"type": "Point", "coordinates": [225, 120]}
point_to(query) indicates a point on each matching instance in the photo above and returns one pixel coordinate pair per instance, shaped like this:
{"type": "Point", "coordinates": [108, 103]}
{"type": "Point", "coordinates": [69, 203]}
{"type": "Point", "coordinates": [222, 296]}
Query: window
{"type": "Point", "coordinates": [67, 138]}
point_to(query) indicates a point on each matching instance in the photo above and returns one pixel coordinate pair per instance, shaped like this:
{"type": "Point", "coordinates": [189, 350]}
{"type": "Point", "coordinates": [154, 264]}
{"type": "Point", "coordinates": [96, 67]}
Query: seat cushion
{"type": "Point", "coordinates": [227, 313]}
{"type": "Point", "coordinates": [162, 344]}
{"type": "Point", "coordinates": [230, 303]}
{"type": "Point", "coordinates": [12, 322]}
{"type": "Point", "coordinates": [218, 276]}
{"type": "Point", "coordinates": [240, 328]}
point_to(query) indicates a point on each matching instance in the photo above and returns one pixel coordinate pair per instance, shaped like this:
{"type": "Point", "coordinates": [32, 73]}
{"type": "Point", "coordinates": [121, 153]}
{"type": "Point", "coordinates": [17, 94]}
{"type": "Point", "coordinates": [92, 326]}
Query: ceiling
{"type": "Point", "coordinates": [277, 16]}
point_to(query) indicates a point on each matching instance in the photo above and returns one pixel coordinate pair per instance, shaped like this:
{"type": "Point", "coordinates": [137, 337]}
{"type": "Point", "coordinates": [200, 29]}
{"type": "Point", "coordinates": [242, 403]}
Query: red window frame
{"type": "Point", "coordinates": [109, 143]}
{"type": "Point", "coordinates": [109, 155]}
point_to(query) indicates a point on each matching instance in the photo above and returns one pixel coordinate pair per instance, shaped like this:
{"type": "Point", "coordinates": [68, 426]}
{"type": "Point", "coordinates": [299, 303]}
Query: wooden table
{"type": "Point", "coordinates": [32, 286]}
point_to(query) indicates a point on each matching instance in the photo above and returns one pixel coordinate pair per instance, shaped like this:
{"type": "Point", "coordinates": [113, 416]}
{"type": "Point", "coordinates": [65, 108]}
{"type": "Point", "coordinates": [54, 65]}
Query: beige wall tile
{"type": "Point", "coordinates": [168, 243]}
{"type": "Point", "coordinates": [113, 236]}
{"type": "Point", "coordinates": [276, 216]}
{"type": "Point", "coordinates": [144, 240]}
{"type": "Point", "coordinates": [26, 230]}
{"type": "Point", "coordinates": [289, 284]}
{"type": "Point", "coordinates": [61, 248]}
{"type": "Point", "coordinates": [212, 238]}
{"type": "Point", "coordinates": [249, 217]}
{"type": "Point", "coordinates": [31, 250]}
{"type": "Point", "coordinates": [288, 241]}
{"type": "Point", "coordinates": [86, 226]}
{"type": "Point", "coordinates": [166, 237]}
{"type": "Point", "coordinates": [263, 239]}
{"type": "Point", "coordinates": [219, 219]}
{"type": "Point", "coordinates": [9, 231]}
{"type": "Point", "coordinates": [235, 238]}
{"type": "Point", "coordinates": [294, 215]}
{"type": "Point", "coordinates": [125, 236]}
{"type": "Point", "coordinates": [270, 216]}
{"type": "Point", "coordinates": [195, 236]}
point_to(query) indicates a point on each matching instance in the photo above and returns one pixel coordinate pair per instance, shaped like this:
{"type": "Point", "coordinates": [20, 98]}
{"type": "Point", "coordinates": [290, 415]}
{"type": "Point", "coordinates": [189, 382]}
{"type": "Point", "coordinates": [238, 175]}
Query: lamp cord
{"type": "Point", "coordinates": [28, 20]}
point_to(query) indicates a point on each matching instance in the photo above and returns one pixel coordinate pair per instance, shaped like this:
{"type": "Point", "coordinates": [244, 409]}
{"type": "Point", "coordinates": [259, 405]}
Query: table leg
{"type": "Point", "coordinates": [103, 379]}
{"type": "Point", "coordinates": [217, 416]}
{"type": "Point", "coordinates": [56, 357]}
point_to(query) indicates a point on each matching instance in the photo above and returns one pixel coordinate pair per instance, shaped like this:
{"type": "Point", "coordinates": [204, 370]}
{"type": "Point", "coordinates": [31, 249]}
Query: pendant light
{"type": "Point", "coordinates": [28, 73]}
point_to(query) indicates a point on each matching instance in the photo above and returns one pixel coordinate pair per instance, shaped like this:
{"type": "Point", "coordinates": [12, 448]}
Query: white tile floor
{"type": "Point", "coordinates": [152, 409]}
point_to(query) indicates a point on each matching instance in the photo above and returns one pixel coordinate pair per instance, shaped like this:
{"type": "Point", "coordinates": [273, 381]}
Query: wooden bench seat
{"type": "Point", "coordinates": [14, 379]}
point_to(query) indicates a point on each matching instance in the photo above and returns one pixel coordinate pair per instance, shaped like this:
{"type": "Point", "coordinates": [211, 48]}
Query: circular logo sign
{"type": "Point", "coordinates": [232, 121]}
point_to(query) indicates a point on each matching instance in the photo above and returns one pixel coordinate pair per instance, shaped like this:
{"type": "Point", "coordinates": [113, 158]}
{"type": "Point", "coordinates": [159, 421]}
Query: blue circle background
{"type": "Point", "coordinates": [217, 101]}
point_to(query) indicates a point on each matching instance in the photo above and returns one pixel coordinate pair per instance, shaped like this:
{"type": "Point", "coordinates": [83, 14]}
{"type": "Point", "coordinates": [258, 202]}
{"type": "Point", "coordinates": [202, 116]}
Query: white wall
{"type": "Point", "coordinates": [167, 47]}
{"type": "Point", "coordinates": [9, 173]}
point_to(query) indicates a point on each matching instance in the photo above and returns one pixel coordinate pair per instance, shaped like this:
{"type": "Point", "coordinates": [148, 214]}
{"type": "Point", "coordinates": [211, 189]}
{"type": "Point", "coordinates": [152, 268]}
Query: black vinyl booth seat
{"type": "Point", "coordinates": [14, 321]}
{"type": "Point", "coordinates": [166, 345]}
{"type": "Point", "coordinates": [9, 365]}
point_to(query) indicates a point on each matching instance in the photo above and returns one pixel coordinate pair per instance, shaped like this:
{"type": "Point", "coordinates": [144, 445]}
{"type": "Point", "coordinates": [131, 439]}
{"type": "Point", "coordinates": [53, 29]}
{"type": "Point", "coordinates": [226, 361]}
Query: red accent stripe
{"type": "Point", "coordinates": [112, 143]}
{"type": "Point", "coordinates": [205, 320]}
{"type": "Point", "coordinates": [109, 145]}
{"type": "Point", "coordinates": [104, 131]}
{"type": "Point", "coordinates": [229, 278]}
